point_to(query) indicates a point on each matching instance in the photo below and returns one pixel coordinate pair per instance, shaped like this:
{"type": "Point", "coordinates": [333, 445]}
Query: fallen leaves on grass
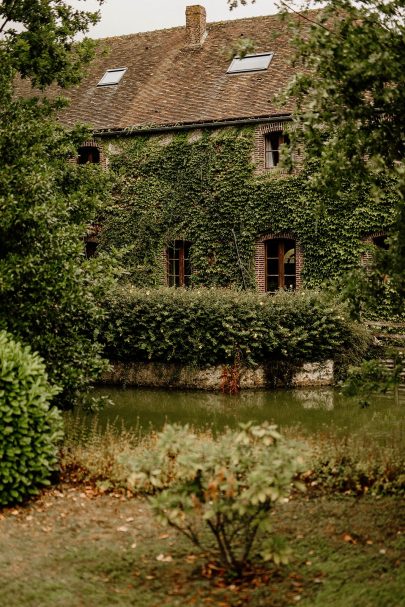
{"type": "Point", "coordinates": [349, 539]}
{"type": "Point", "coordinates": [164, 558]}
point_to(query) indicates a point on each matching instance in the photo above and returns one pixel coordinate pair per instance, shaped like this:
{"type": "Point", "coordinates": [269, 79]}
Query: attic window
{"type": "Point", "coordinates": [250, 63]}
{"type": "Point", "coordinates": [112, 76]}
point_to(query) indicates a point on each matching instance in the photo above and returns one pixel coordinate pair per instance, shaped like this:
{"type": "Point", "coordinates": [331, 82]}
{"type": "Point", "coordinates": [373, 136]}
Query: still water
{"type": "Point", "coordinates": [314, 411]}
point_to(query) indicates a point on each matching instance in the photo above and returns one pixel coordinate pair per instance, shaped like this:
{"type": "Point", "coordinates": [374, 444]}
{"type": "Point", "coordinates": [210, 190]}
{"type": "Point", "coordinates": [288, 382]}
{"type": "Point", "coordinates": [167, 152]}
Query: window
{"type": "Point", "coordinates": [250, 63]}
{"type": "Point", "coordinates": [112, 76]}
{"type": "Point", "coordinates": [89, 154]}
{"type": "Point", "coordinates": [90, 248]}
{"type": "Point", "coordinates": [272, 143]}
{"type": "Point", "coordinates": [178, 263]}
{"type": "Point", "coordinates": [280, 264]}
{"type": "Point", "coordinates": [381, 242]}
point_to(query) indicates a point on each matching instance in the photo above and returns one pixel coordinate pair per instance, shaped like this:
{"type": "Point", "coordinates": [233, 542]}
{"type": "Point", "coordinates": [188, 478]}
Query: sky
{"type": "Point", "coordinates": [130, 16]}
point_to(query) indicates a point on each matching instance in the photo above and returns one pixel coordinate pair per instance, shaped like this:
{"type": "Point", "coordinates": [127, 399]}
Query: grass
{"type": "Point", "coordinates": [89, 542]}
{"type": "Point", "coordinates": [74, 548]}
{"type": "Point", "coordinates": [354, 463]}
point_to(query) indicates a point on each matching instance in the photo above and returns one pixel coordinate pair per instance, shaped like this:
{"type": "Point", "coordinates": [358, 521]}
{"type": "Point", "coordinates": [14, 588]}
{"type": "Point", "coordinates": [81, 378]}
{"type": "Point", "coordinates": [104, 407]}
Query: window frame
{"type": "Point", "coordinates": [281, 253]}
{"type": "Point", "coordinates": [183, 277]}
{"type": "Point", "coordinates": [273, 152]}
{"type": "Point", "coordinates": [238, 61]}
{"type": "Point", "coordinates": [119, 70]}
{"type": "Point", "coordinates": [90, 148]}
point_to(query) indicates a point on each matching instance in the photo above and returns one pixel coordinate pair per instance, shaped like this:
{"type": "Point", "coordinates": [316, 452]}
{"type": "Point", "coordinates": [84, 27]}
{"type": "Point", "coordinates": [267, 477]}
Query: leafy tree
{"type": "Point", "coordinates": [48, 290]}
{"type": "Point", "coordinates": [38, 41]}
{"type": "Point", "coordinates": [350, 97]}
{"type": "Point", "coordinates": [350, 94]}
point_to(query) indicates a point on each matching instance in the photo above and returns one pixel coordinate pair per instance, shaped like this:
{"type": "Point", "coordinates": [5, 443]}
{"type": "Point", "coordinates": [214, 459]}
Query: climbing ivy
{"type": "Point", "coordinates": [203, 187]}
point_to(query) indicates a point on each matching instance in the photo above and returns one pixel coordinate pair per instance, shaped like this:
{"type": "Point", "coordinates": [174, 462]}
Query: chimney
{"type": "Point", "coordinates": [196, 21]}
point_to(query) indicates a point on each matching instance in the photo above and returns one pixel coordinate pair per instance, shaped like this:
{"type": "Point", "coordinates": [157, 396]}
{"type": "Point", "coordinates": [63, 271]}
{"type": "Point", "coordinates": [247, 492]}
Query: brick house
{"type": "Point", "coordinates": [183, 80]}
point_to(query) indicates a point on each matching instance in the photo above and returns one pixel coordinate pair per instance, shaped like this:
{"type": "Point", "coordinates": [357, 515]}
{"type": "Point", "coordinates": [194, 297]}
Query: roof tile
{"type": "Point", "coordinates": [167, 82]}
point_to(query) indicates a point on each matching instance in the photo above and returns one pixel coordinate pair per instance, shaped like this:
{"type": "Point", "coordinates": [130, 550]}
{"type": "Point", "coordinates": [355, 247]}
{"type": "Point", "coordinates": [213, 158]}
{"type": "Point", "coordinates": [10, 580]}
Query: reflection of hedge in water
{"type": "Point", "coordinates": [207, 327]}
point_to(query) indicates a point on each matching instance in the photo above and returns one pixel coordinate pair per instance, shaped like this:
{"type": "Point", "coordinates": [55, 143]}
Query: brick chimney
{"type": "Point", "coordinates": [196, 21]}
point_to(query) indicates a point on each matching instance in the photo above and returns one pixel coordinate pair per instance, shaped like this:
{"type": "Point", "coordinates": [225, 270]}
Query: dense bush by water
{"type": "Point", "coordinates": [29, 429]}
{"type": "Point", "coordinates": [216, 326]}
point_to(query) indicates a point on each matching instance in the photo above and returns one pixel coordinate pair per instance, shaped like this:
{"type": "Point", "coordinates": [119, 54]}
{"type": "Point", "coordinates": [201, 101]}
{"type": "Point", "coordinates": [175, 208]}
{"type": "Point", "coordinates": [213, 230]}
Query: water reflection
{"type": "Point", "coordinates": [317, 399]}
{"type": "Point", "coordinates": [314, 410]}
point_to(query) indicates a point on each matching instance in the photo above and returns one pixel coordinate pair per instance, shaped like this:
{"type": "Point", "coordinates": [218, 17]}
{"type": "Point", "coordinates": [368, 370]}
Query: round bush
{"type": "Point", "coordinates": [29, 428]}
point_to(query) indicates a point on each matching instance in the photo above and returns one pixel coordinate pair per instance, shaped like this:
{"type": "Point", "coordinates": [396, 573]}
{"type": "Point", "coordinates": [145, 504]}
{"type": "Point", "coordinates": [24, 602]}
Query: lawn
{"type": "Point", "coordinates": [75, 547]}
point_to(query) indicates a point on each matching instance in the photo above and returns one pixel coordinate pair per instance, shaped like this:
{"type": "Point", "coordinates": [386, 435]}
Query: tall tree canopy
{"type": "Point", "coordinates": [48, 291]}
{"type": "Point", "coordinates": [38, 41]}
{"type": "Point", "coordinates": [350, 97]}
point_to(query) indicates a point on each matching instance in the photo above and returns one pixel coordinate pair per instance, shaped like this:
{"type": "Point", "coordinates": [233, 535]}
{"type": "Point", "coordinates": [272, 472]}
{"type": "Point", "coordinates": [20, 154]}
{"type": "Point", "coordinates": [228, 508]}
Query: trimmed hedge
{"type": "Point", "coordinates": [29, 429]}
{"type": "Point", "coordinates": [204, 327]}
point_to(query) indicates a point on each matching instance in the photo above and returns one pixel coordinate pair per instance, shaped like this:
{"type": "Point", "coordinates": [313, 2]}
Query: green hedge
{"type": "Point", "coordinates": [205, 327]}
{"type": "Point", "coordinates": [29, 429]}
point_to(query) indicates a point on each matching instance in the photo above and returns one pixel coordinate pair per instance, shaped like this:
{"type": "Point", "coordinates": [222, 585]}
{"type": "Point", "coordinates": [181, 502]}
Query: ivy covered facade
{"type": "Point", "coordinates": [195, 207]}
{"type": "Point", "coordinates": [193, 141]}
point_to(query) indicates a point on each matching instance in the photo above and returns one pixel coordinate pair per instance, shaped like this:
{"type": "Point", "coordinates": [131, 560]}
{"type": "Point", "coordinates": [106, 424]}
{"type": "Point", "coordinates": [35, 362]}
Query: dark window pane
{"type": "Point", "coordinates": [280, 264]}
{"type": "Point", "coordinates": [272, 248]}
{"type": "Point", "coordinates": [89, 154]}
{"type": "Point", "coordinates": [289, 282]}
{"type": "Point", "coordinates": [272, 284]}
{"type": "Point", "coordinates": [381, 242]}
{"type": "Point", "coordinates": [90, 248]}
{"type": "Point", "coordinates": [273, 141]}
{"type": "Point", "coordinates": [272, 266]}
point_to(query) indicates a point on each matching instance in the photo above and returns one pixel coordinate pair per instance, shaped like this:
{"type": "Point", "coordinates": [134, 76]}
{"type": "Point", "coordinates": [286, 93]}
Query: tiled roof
{"type": "Point", "coordinates": [169, 83]}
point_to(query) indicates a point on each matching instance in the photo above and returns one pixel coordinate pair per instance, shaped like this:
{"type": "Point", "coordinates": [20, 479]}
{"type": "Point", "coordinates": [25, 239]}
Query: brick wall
{"type": "Point", "coordinates": [367, 256]}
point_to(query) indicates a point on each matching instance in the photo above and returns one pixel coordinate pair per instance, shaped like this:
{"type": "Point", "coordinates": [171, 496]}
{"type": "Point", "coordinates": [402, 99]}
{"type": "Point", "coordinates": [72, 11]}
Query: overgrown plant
{"type": "Point", "coordinates": [29, 428]}
{"type": "Point", "coordinates": [205, 189]}
{"type": "Point", "coordinates": [49, 293]}
{"type": "Point", "coordinates": [228, 485]}
{"type": "Point", "coordinates": [372, 377]}
{"type": "Point", "coordinates": [205, 327]}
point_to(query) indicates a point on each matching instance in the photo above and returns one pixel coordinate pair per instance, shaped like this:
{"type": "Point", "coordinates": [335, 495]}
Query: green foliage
{"type": "Point", "coordinates": [43, 47]}
{"type": "Point", "coordinates": [344, 474]}
{"type": "Point", "coordinates": [349, 102]}
{"type": "Point", "coordinates": [48, 292]}
{"type": "Point", "coordinates": [348, 94]}
{"type": "Point", "coordinates": [357, 469]}
{"type": "Point", "coordinates": [202, 188]}
{"type": "Point", "coordinates": [230, 484]}
{"type": "Point", "coordinates": [350, 97]}
{"type": "Point", "coordinates": [372, 377]}
{"type": "Point", "coordinates": [29, 428]}
{"type": "Point", "coordinates": [212, 326]}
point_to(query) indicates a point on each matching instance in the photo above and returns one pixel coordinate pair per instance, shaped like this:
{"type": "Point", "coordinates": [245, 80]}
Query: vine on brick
{"type": "Point", "coordinates": [202, 186]}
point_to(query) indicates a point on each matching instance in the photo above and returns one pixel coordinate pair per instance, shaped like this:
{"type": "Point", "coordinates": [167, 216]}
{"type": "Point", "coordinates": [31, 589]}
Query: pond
{"type": "Point", "coordinates": [312, 410]}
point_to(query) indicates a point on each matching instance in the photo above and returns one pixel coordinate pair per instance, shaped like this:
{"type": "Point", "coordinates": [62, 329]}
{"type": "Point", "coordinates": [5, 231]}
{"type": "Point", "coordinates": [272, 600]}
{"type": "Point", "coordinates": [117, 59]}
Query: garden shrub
{"type": "Point", "coordinates": [230, 484]}
{"type": "Point", "coordinates": [205, 327]}
{"type": "Point", "coordinates": [337, 472]}
{"type": "Point", "coordinates": [29, 428]}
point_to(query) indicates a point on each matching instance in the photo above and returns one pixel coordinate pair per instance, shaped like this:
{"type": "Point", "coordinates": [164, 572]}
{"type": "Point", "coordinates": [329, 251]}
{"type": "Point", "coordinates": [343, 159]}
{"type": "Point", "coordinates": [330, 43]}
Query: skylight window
{"type": "Point", "coordinates": [112, 76]}
{"type": "Point", "coordinates": [250, 63]}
